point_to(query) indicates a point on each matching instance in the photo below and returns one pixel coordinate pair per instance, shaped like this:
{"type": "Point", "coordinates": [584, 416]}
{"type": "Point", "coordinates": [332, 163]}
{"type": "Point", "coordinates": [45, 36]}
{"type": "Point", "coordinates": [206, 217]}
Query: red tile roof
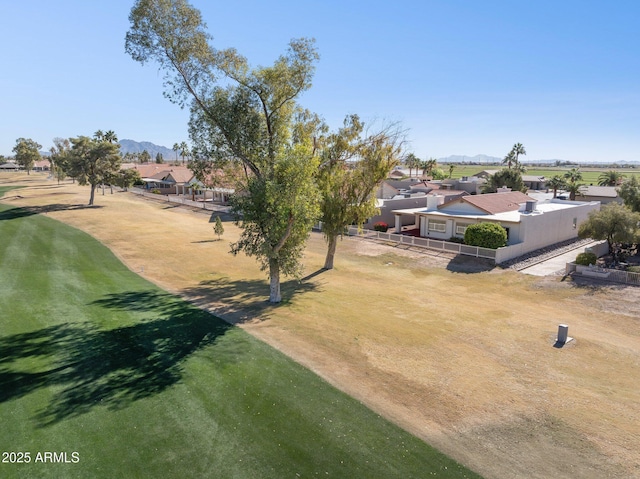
{"type": "Point", "coordinates": [494, 203]}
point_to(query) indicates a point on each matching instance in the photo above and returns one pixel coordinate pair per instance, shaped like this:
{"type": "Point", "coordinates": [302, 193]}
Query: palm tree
{"type": "Point", "coordinates": [451, 168]}
{"type": "Point", "coordinates": [176, 148]}
{"type": "Point", "coordinates": [556, 183]}
{"type": "Point", "coordinates": [184, 150]}
{"type": "Point", "coordinates": [428, 166]}
{"type": "Point", "coordinates": [573, 175]}
{"type": "Point", "coordinates": [412, 161]}
{"type": "Point", "coordinates": [517, 150]}
{"type": "Point", "coordinates": [110, 136]}
{"type": "Point", "coordinates": [610, 178]}
{"type": "Point", "coordinates": [509, 159]}
{"type": "Point", "coordinates": [573, 189]}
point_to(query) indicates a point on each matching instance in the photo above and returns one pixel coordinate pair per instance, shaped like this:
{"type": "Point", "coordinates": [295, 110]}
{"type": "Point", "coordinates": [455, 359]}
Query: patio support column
{"type": "Point", "coordinates": [398, 224]}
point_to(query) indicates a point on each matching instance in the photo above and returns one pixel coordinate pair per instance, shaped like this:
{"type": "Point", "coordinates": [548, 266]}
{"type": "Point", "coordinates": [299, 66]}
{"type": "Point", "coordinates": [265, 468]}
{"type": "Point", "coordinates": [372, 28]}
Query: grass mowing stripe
{"type": "Point", "coordinates": [142, 384]}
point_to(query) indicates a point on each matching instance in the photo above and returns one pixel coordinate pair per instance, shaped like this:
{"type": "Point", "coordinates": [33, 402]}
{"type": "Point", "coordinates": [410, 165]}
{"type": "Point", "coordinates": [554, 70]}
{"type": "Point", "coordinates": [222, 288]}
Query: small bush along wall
{"type": "Point", "coordinates": [486, 235]}
{"type": "Point", "coordinates": [585, 259]}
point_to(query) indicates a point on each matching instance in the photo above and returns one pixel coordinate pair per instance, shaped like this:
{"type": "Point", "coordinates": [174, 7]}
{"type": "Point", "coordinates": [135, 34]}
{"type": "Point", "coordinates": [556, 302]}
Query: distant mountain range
{"type": "Point", "coordinates": [469, 159]}
{"type": "Point", "coordinates": [131, 146]}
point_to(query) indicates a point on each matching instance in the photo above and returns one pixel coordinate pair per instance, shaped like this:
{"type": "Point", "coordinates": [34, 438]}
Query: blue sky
{"type": "Point", "coordinates": [463, 77]}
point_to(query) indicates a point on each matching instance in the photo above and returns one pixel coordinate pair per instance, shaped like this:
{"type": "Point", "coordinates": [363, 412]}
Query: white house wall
{"type": "Point", "coordinates": [540, 230]}
{"type": "Point", "coordinates": [386, 211]}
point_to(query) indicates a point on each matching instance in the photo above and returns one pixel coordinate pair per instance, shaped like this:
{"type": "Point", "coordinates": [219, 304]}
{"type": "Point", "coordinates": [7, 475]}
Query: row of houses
{"type": "Point", "coordinates": [43, 165]}
{"type": "Point", "coordinates": [439, 210]}
{"type": "Point", "coordinates": [178, 180]}
{"type": "Point", "coordinates": [443, 210]}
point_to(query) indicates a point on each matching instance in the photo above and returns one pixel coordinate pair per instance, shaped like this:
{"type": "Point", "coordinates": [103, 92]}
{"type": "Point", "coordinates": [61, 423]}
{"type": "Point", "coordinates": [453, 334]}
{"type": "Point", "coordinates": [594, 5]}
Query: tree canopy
{"type": "Point", "coordinates": [241, 114]}
{"type": "Point", "coordinates": [510, 178]}
{"type": "Point", "coordinates": [614, 223]}
{"type": "Point", "coordinates": [27, 152]}
{"type": "Point", "coordinates": [352, 167]}
{"type": "Point", "coordinates": [556, 182]}
{"type": "Point", "coordinates": [629, 191]}
{"type": "Point", "coordinates": [610, 178]}
{"type": "Point", "coordinates": [92, 161]}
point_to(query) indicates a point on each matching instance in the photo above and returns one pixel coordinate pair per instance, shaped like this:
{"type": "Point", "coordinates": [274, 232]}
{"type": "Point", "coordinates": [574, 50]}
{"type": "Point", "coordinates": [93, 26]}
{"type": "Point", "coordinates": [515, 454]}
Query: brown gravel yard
{"type": "Point", "coordinates": [459, 353]}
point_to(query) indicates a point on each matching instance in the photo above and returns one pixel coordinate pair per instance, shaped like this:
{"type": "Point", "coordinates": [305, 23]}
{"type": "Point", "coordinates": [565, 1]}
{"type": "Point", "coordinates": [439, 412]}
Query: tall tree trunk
{"type": "Point", "coordinates": [331, 252]}
{"type": "Point", "coordinates": [274, 279]}
{"type": "Point", "coordinates": [93, 192]}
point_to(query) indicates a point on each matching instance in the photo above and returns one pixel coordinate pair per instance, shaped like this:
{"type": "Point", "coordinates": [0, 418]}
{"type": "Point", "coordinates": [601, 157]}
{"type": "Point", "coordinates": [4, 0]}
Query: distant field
{"type": "Point", "coordinates": [589, 175]}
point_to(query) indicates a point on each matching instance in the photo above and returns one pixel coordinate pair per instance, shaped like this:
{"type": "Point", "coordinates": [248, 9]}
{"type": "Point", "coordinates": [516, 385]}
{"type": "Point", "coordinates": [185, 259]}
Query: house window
{"type": "Point", "coordinates": [437, 226]}
{"type": "Point", "coordinates": [575, 223]}
{"type": "Point", "coordinates": [460, 229]}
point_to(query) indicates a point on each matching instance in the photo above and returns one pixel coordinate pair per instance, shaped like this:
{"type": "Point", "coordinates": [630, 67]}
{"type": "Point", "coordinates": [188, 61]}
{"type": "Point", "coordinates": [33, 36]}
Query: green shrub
{"type": "Point", "coordinates": [633, 269]}
{"type": "Point", "coordinates": [486, 235]}
{"type": "Point", "coordinates": [585, 259]}
{"type": "Point", "coordinates": [455, 239]}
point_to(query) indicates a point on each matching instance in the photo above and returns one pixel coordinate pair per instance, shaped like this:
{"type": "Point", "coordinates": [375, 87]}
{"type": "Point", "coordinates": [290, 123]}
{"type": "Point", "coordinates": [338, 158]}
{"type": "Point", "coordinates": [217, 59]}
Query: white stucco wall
{"type": "Point", "coordinates": [550, 227]}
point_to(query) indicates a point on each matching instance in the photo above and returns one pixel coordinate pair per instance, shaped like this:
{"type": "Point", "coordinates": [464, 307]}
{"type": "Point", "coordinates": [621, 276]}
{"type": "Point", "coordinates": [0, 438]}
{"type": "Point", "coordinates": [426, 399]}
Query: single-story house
{"type": "Point", "coordinates": [418, 200]}
{"type": "Point", "coordinates": [485, 174]}
{"type": "Point", "coordinates": [603, 194]}
{"type": "Point", "coordinates": [530, 225]}
{"type": "Point", "coordinates": [42, 165]}
{"type": "Point", "coordinates": [534, 182]}
{"type": "Point", "coordinates": [9, 166]}
{"type": "Point", "coordinates": [168, 179]}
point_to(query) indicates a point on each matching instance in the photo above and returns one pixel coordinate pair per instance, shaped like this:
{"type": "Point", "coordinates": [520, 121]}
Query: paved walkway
{"type": "Point", "coordinates": [557, 264]}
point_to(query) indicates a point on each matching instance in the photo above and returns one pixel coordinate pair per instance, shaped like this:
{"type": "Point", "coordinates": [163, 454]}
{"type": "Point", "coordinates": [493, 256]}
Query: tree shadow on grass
{"type": "Point", "coordinates": [244, 300]}
{"type": "Point", "coordinates": [22, 212]}
{"type": "Point", "coordinates": [469, 264]}
{"type": "Point", "coordinates": [89, 366]}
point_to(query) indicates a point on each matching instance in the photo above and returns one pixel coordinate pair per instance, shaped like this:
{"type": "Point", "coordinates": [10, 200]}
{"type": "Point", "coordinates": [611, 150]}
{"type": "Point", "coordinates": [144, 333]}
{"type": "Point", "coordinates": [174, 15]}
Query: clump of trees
{"type": "Point", "coordinates": [615, 223]}
{"type": "Point", "coordinates": [250, 116]}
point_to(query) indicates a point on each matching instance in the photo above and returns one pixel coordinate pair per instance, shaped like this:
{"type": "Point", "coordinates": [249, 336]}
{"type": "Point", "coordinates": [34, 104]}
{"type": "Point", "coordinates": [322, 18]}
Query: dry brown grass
{"type": "Point", "coordinates": [463, 360]}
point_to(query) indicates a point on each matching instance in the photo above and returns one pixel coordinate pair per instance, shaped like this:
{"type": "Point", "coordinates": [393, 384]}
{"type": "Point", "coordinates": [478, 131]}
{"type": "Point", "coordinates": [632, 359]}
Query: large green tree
{"type": "Point", "coordinates": [93, 162]}
{"type": "Point", "coordinates": [614, 223]}
{"type": "Point", "coordinates": [352, 166]}
{"type": "Point", "coordinates": [629, 191]}
{"type": "Point", "coordinates": [59, 156]}
{"type": "Point", "coordinates": [510, 178]}
{"type": "Point", "coordinates": [27, 152]}
{"type": "Point", "coordinates": [243, 114]}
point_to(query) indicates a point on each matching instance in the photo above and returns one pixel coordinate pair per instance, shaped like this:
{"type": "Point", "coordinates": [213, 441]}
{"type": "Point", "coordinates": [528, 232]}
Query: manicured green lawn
{"type": "Point", "coordinates": [130, 381]}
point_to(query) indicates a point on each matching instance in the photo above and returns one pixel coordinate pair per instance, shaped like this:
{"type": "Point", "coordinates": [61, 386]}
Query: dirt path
{"type": "Point", "coordinates": [459, 354]}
